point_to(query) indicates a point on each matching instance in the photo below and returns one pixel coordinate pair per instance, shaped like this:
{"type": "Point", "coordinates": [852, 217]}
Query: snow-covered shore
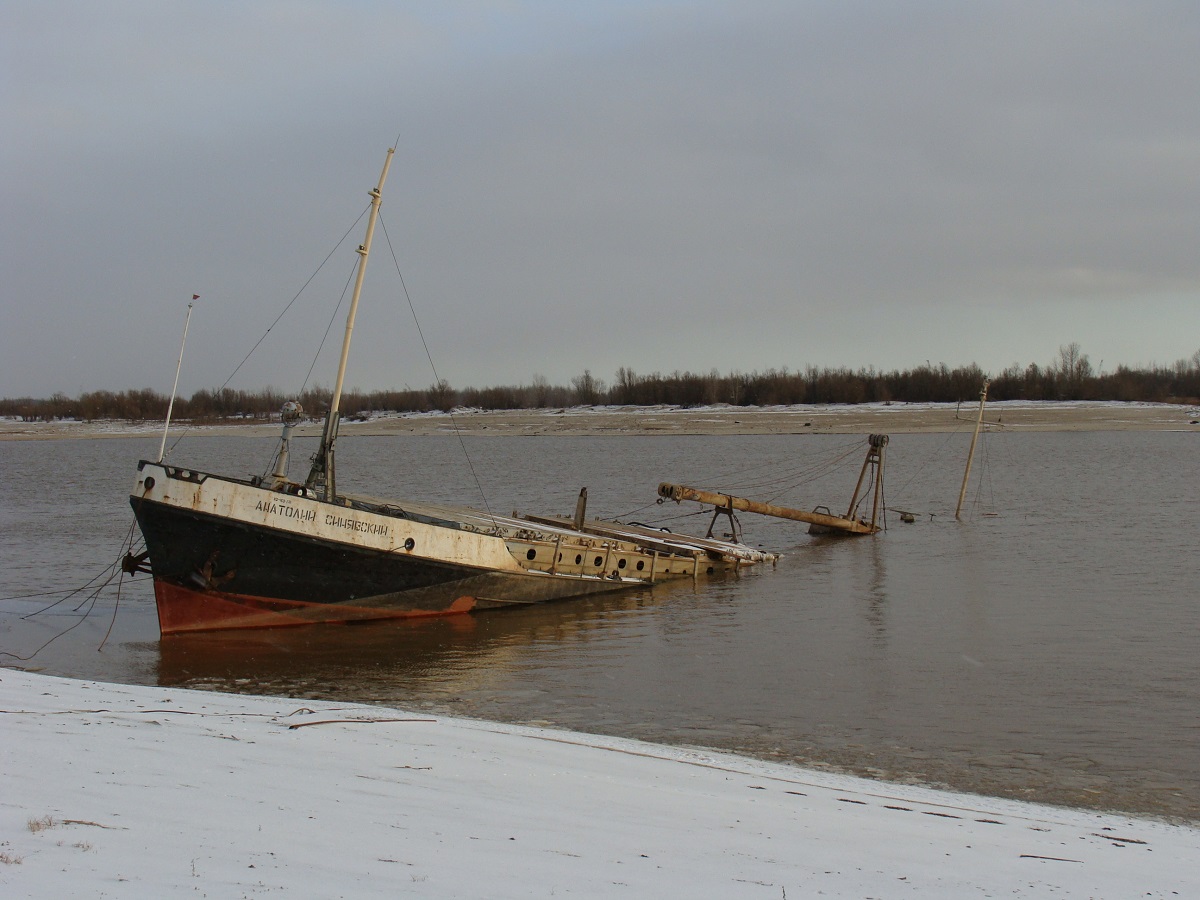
{"type": "Point", "coordinates": [123, 791]}
{"type": "Point", "coordinates": [865, 418]}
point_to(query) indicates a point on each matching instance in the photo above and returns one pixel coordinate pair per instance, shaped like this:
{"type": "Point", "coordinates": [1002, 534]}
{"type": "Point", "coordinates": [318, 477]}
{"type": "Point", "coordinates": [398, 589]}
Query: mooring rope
{"type": "Point", "coordinates": [112, 570]}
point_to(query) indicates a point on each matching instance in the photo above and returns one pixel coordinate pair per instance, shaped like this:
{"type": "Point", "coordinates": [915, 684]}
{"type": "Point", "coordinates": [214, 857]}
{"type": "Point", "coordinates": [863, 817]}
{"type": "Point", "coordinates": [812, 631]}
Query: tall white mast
{"type": "Point", "coordinates": [323, 463]}
{"type": "Point", "coordinates": [363, 250]}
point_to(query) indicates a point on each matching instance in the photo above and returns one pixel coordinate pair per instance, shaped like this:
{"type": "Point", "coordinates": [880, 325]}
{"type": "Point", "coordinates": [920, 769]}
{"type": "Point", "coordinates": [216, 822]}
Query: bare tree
{"type": "Point", "coordinates": [442, 396]}
{"type": "Point", "coordinates": [588, 388]}
{"type": "Point", "coordinates": [625, 387]}
{"type": "Point", "coordinates": [1073, 363]}
{"type": "Point", "coordinates": [539, 392]}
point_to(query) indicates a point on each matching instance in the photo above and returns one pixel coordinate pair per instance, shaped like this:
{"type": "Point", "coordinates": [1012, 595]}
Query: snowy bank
{"type": "Point", "coordinates": [120, 791]}
{"type": "Point", "coordinates": [864, 418]}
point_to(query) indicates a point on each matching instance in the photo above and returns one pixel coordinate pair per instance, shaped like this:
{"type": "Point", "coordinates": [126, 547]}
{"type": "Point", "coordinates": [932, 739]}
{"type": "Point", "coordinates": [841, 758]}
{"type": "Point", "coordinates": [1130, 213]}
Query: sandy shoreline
{"type": "Point", "coordinates": [896, 418]}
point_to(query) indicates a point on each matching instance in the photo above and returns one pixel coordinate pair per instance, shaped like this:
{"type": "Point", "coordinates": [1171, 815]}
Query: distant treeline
{"type": "Point", "coordinates": [1070, 377]}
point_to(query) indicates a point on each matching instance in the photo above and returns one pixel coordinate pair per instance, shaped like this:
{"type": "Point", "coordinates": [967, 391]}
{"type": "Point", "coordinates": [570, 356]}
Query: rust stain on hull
{"type": "Point", "coordinates": [183, 610]}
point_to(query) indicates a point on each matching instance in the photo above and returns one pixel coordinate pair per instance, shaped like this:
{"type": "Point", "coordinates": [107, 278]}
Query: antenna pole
{"type": "Point", "coordinates": [162, 448]}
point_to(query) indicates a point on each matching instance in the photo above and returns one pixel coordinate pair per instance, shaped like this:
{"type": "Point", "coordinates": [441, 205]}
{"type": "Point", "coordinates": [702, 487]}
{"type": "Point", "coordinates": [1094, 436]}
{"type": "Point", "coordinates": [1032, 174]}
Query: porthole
{"type": "Point", "coordinates": [711, 570]}
{"type": "Point", "coordinates": [149, 483]}
{"type": "Point", "coordinates": [599, 561]}
{"type": "Point", "coordinates": [620, 564]}
{"type": "Point", "coordinates": [641, 564]}
{"type": "Point", "coordinates": [578, 558]}
{"type": "Point", "coordinates": [409, 543]}
{"type": "Point", "coordinates": [531, 553]}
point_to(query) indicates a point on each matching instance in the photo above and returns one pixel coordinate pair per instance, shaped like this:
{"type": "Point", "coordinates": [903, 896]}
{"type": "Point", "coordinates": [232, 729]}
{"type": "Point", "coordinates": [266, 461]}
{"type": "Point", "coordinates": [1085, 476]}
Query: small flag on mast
{"type": "Point", "coordinates": [195, 296]}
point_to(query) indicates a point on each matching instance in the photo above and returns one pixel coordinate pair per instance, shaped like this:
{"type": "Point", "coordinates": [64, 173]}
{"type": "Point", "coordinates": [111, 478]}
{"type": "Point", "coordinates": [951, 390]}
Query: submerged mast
{"type": "Point", "coordinates": [821, 522]}
{"type": "Point", "coordinates": [971, 453]}
{"type": "Point", "coordinates": [321, 475]}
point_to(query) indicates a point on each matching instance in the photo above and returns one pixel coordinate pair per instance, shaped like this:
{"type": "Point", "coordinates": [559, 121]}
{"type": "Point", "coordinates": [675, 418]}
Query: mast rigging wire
{"type": "Point", "coordinates": [437, 378]}
{"type": "Point", "coordinates": [328, 328]}
{"type": "Point", "coordinates": [294, 299]}
{"type": "Point", "coordinates": [282, 313]}
{"type": "Point", "coordinates": [320, 346]}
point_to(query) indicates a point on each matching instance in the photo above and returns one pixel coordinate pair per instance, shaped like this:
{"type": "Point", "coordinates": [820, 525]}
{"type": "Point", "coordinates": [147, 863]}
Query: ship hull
{"type": "Point", "coordinates": [213, 574]}
{"type": "Point", "coordinates": [266, 551]}
{"type": "Point", "coordinates": [230, 554]}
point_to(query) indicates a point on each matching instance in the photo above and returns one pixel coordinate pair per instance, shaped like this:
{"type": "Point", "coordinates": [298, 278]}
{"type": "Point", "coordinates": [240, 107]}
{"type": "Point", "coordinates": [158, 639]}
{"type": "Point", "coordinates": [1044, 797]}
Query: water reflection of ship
{"type": "Point", "coordinates": [391, 661]}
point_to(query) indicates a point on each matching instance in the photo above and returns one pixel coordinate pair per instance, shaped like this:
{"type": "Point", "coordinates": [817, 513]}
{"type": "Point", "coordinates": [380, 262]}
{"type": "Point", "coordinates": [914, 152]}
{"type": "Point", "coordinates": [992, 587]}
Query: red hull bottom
{"type": "Point", "coordinates": [182, 610]}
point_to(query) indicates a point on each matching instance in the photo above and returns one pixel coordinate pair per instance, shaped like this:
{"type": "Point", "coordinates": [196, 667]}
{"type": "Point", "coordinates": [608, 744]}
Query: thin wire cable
{"type": "Point", "coordinates": [72, 627]}
{"type": "Point", "coordinates": [789, 481]}
{"type": "Point", "coordinates": [108, 573]}
{"type": "Point", "coordinates": [930, 458]}
{"type": "Point", "coordinates": [436, 377]}
{"type": "Point", "coordinates": [826, 463]}
{"type": "Point", "coordinates": [320, 346]}
{"type": "Point", "coordinates": [987, 450]}
{"type": "Point", "coordinates": [116, 608]}
{"type": "Point", "coordinates": [105, 573]}
{"type": "Point", "coordinates": [773, 464]}
{"type": "Point", "coordinates": [329, 327]}
{"type": "Point", "coordinates": [883, 499]}
{"type": "Point", "coordinates": [781, 484]}
{"type": "Point", "coordinates": [293, 300]}
{"type": "Point", "coordinates": [985, 475]}
{"type": "Point", "coordinates": [816, 467]}
{"type": "Point", "coordinates": [812, 475]}
{"type": "Point", "coordinates": [263, 337]}
{"type": "Point", "coordinates": [634, 512]}
{"type": "Point", "coordinates": [89, 601]}
{"type": "Point", "coordinates": [28, 596]}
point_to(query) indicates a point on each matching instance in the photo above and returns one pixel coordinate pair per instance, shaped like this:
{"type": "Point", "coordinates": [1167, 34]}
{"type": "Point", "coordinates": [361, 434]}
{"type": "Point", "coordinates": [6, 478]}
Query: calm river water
{"type": "Point", "coordinates": [1048, 648]}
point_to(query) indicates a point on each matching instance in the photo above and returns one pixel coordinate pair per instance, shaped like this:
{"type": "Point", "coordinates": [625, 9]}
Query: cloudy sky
{"type": "Point", "coordinates": [587, 185]}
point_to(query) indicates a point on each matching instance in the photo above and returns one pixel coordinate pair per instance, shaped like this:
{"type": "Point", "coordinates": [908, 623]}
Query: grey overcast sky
{"type": "Point", "coordinates": [734, 185]}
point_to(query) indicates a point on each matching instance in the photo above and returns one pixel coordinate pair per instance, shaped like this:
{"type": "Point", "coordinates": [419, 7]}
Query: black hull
{"type": "Point", "coordinates": [213, 573]}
